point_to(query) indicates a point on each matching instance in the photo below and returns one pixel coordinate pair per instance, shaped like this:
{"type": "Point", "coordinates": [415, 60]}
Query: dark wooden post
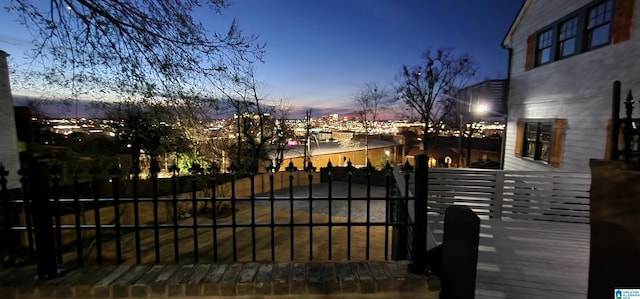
{"type": "Point", "coordinates": [6, 216]}
{"type": "Point", "coordinates": [459, 253]}
{"type": "Point", "coordinates": [420, 215]}
{"type": "Point", "coordinates": [615, 231]}
{"type": "Point", "coordinates": [43, 225]}
{"type": "Point", "coordinates": [615, 122]}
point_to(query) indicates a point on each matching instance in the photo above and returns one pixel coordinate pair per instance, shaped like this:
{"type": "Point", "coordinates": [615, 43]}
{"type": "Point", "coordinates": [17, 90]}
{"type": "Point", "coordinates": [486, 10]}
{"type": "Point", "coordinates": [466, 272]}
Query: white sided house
{"type": "Point", "coordinates": [564, 57]}
{"type": "Point", "coordinates": [8, 136]}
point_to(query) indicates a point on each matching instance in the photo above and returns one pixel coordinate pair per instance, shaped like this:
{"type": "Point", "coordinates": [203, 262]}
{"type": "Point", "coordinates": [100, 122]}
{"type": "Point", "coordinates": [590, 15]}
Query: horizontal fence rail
{"type": "Point", "coordinates": [550, 196]}
{"type": "Point", "coordinates": [212, 219]}
{"type": "Point", "coordinates": [249, 219]}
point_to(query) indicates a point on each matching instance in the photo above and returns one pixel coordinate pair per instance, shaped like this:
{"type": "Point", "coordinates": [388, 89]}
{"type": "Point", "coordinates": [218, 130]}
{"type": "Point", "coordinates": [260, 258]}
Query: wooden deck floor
{"type": "Point", "coordinates": [530, 259]}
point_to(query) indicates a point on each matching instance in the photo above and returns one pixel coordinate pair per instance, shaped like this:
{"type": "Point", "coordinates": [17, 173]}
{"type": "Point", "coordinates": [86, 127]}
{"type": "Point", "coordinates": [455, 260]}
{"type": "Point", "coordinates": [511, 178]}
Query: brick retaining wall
{"type": "Point", "coordinates": [248, 280]}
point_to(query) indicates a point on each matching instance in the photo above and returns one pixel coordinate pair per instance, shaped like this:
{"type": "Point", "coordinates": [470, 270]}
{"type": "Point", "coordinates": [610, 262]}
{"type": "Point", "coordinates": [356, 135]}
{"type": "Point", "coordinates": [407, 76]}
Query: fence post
{"type": "Point", "coordinates": [628, 127]}
{"type": "Point", "coordinates": [498, 191]}
{"type": "Point", "coordinates": [4, 195]}
{"type": "Point", "coordinates": [43, 225]}
{"type": "Point", "coordinates": [419, 248]}
{"type": "Point", "coordinates": [614, 153]}
{"type": "Point", "coordinates": [459, 257]}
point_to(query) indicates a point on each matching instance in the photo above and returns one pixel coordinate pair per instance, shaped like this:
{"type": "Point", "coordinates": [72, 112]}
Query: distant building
{"type": "Point", "coordinates": [342, 135]}
{"type": "Point", "coordinates": [324, 136]}
{"type": "Point", "coordinates": [9, 145]}
{"type": "Point", "coordinates": [484, 101]}
{"type": "Point", "coordinates": [339, 154]}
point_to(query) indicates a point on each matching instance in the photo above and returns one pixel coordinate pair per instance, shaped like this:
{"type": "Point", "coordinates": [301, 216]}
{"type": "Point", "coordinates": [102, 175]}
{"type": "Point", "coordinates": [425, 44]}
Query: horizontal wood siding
{"type": "Point", "coordinates": [576, 88]}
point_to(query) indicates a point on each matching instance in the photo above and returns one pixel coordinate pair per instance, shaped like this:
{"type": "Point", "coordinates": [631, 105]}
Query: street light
{"type": "Point", "coordinates": [477, 109]}
{"type": "Point", "coordinates": [481, 108]}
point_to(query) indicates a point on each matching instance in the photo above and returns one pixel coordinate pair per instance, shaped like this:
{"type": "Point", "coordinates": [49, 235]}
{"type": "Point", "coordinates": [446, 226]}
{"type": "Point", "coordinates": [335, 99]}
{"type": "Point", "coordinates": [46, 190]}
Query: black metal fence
{"type": "Point", "coordinates": [36, 232]}
{"type": "Point", "coordinates": [626, 128]}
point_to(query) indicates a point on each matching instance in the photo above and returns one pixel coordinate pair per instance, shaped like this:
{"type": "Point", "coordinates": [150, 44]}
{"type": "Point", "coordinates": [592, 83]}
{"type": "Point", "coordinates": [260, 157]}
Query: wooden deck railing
{"type": "Point", "coordinates": [500, 194]}
{"type": "Point", "coordinates": [550, 196]}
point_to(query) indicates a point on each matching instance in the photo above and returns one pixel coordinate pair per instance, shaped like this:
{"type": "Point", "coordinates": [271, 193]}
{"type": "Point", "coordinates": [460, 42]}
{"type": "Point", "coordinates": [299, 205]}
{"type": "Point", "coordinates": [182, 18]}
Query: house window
{"type": "Point", "coordinates": [543, 53]}
{"type": "Point", "coordinates": [599, 24]}
{"type": "Point", "coordinates": [567, 37]}
{"type": "Point", "coordinates": [541, 140]}
{"type": "Point", "coordinates": [592, 26]}
{"type": "Point", "coordinates": [538, 140]}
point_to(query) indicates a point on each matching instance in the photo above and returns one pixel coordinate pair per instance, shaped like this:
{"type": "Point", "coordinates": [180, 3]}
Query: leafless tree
{"type": "Point", "coordinates": [428, 88]}
{"type": "Point", "coordinates": [283, 131]}
{"type": "Point", "coordinates": [370, 99]}
{"type": "Point", "coordinates": [144, 48]}
{"type": "Point", "coordinates": [256, 119]}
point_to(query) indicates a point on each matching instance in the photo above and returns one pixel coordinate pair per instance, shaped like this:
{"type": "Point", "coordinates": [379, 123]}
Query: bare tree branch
{"type": "Point", "coordinates": [144, 48]}
{"type": "Point", "coordinates": [428, 88]}
{"type": "Point", "coordinates": [370, 100]}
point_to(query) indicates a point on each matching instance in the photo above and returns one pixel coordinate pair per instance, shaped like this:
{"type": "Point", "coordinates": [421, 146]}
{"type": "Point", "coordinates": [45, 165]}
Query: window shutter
{"type": "Point", "coordinates": [519, 138]}
{"type": "Point", "coordinates": [557, 142]}
{"type": "Point", "coordinates": [623, 20]}
{"type": "Point", "coordinates": [531, 43]}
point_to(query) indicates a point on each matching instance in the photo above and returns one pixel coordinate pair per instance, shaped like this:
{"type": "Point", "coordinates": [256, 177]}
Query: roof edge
{"type": "Point", "coordinates": [506, 42]}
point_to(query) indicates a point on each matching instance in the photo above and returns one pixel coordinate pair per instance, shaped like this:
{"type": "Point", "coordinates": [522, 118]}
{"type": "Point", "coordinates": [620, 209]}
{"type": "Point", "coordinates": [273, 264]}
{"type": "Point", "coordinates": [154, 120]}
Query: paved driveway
{"type": "Point", "coordinates": [339, 205]}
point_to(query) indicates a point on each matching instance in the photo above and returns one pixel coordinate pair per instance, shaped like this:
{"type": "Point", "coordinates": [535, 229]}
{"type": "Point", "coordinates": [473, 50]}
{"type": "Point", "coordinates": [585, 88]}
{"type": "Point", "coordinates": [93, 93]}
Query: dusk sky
{"type": "Point", "coordinates": [319, 53]}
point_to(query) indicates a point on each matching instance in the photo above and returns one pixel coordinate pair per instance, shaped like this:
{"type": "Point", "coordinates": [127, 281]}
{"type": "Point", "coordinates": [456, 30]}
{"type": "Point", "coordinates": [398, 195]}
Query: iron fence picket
{"type": "Point", "coordinates": [233, 218]}
{"type": "Point", "coordinates": [136, 214]}
{"type": "Point", "coordinates": [292, 254]}
{"type": "Point", "coordinates": [628, 126]}
{"type": "Point", "coordinates": [117, 202]}
{"type": "Point", "coordinates": [115, 180]}
{"type": "Point", "coordinates": [310, 170]}
{"type": "Point", "coordinates": [330, 195]}
{"type": "Point", "coordinates": [350, 170]}
{"type": "Point", "coordinates": [368, 243]}
{"type": "Point", "coordinates": [55, 186]}
{"type": "Point", "coordinates": [96, 212]}
{"type": "Point", "coordinates": [272, 217]}
{"type": "Point", "coordinates": [26, 208]}
{"type": "Point", "coordinates": [174, 200]}
{"type": "Point", "coordinates": [387, 214]}
{"type": "Point", "coordinates": [253, 217]}
{"type": "Point", "coordinates": [194, 212]}
{"type": "Point", "coordinates": [214, 216]}
{"type": "Point", "coordinates": [156, 232]}
{"type": "Point", "coordinates": [75, 172]}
